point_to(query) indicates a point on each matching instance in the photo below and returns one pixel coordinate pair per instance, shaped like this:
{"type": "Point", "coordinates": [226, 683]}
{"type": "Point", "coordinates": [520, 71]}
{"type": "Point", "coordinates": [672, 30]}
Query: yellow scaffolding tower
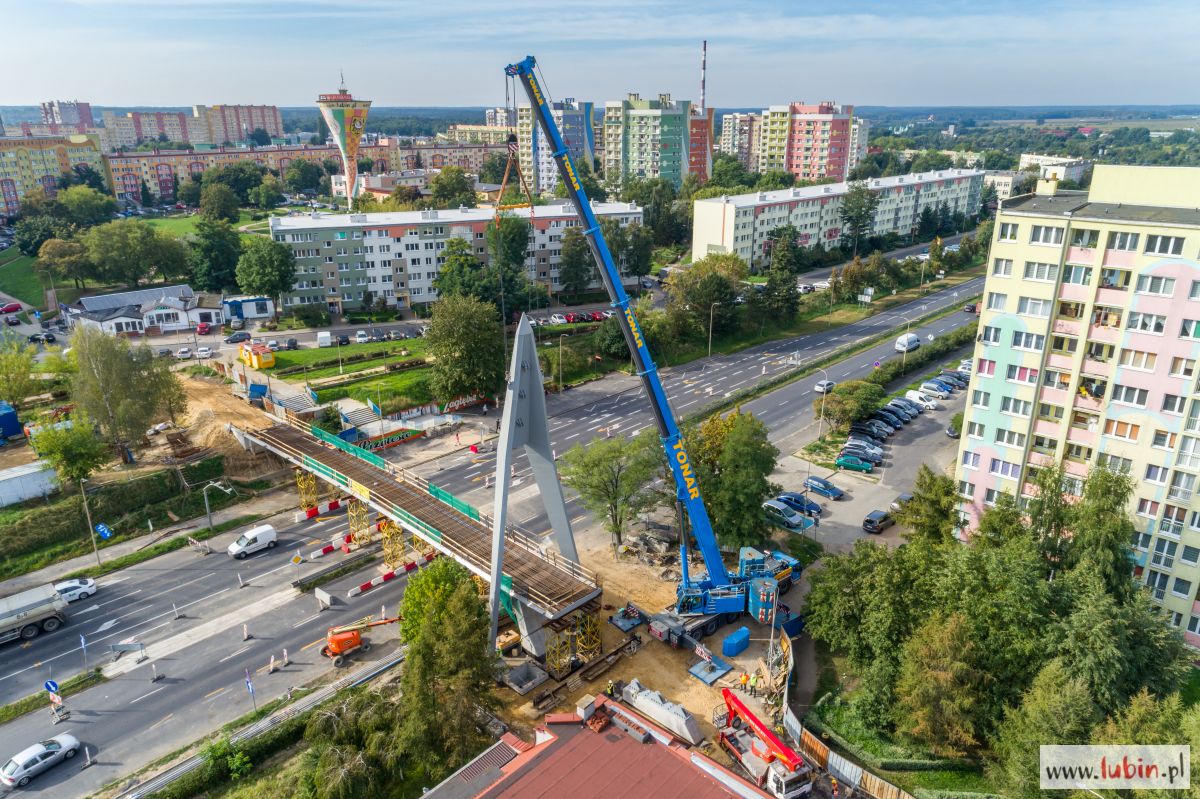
{"type": "Point", "coordinates": [587, 636]}
{"type": "Point", "coordinates": [360, 523]}
{"type": "Point", "coordinates": [393, 543]}
{"type": "Point", "coordinates": [306, 487]}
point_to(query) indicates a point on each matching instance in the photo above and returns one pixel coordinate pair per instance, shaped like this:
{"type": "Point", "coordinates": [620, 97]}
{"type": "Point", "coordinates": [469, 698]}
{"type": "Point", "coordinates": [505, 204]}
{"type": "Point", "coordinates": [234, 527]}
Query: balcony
{"type": "Point", "coordinates": [1082, 436]}
{"type": "Point", "coordinates": [1068, 327]}
{"type": "Point", "coordinates": [1105, 333]}
{"type": "Point", "coordinates": [1119, 259]}
{"type": "Point", "coordinates": [1075, 468]}
{"type": "Point", "coordinates": [1081, 255]}
{"type": "Point", "coordinates": [1040, 458]}
{"type": "Point", "coordinates": [1061, 361]}
{"type": "Point", "coordinates": [1045, 427]}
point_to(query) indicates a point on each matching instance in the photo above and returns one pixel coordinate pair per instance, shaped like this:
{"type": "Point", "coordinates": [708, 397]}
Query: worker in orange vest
{"type": "Point", "coordinates": [745, 678]}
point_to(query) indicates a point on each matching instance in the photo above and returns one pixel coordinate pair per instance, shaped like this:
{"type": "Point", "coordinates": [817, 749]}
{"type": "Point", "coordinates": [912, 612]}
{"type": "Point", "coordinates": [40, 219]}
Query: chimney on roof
{"type": "Point", "coordinates": [1047, 187]}
{"type": "Point", "coordinates": [585, 707]}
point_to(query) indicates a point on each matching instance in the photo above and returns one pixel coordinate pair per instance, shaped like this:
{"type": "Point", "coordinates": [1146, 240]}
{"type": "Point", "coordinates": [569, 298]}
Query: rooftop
{"type": "Point", "coordinates": [1075, 205]}
{"type": "Point", "coordinates": [102, 302]}
{"type": "Point", "coordinates": [1148, 195]}
{"type": "Point", "coordinates": [323, 220]}
{"type": "Point", "coordinates": [825, 190]}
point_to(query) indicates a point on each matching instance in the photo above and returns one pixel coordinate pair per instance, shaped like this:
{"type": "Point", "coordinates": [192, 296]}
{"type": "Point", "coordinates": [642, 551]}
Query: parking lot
{"type": "Point", "coordinates": [923, 440]}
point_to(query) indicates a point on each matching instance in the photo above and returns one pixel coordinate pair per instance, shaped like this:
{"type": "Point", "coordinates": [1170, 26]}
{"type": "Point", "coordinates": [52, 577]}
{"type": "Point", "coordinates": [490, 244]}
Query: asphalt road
{"type": "Point", "coordinates": [131, 721]}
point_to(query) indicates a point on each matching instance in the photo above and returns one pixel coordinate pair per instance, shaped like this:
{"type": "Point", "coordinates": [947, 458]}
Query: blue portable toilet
{"type": "Point", "coordinates": [736, 642]}
{"type": "Point", "coordinates": [9, 426]}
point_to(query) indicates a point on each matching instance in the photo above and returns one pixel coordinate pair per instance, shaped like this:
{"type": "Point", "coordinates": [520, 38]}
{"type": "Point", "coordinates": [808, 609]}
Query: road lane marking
{"type": "Point", "coordinates": [164, 720]}
{"type": "Point", "coordinates": [306, 620]}
{"type": "Point", "coordinates": [314, 643]}
{"type": "Point", "coordinates": [211, 694]}
{"type": "Point", "coordinates": [234, 654]}
{"type": "Point", "coordinates": [143, 696]}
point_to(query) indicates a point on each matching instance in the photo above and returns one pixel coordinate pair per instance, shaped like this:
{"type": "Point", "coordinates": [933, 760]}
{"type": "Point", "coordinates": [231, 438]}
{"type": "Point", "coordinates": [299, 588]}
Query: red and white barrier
{"type": "Point", "coordinates": [324, 507]}
{"type": "Point", "coordinates": [383, 578]}
{"type": "Point", "coordinates": [337, 542]}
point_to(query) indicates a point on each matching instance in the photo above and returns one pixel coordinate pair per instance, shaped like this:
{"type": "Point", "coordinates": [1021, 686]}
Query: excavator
{"type": "Point", "coordinates": [341, 642]}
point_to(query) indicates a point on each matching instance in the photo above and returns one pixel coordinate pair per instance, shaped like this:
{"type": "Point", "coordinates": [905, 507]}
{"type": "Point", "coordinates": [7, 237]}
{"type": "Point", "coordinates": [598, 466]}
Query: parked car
{"type": "Point", "coordinates": [203, 329]}
{"type": "Point", "coordinates": [237, 324]}
{"type": "Point", "coordinates": [558, 319]}
{"type": "Point", "coordinates": [41, 338]}
{"type": "Point", "coordinates": [870, 441]}
{"type": "Point", "coordinates": [892, 418]}
{"type": "Point", "coordinates": [900, 501]}
{"type": "Point", "coordinates": [575, 318]}
{"type": "Point", "coordinates": [33, 760]}
{"type": "Point", "coordinates": [781, 514]}
{"type": "Point", "coordinates": [291, 344]}
{"type": "Point", "coordinates": [821, 285]}
{"type": "Point", "coordinates": [11, 307]}
{"type": "Point", "coordinates": [596, 316]}
{"type": "Point", "coordinates": [952, 431]}
{"type": "Point", "coordinates": [928, 403]}
{"type": "Point", "coordinates": [361, 337]}
{"type": "Point", "coordinates": [12, 321]}
{"type": "Point", "coordinates": [819, 485]}
{"type": "Point", "coordinates": [946, 385]}
{"type": "Point", "coordinates": [860, 443]}
{"type": "Point", "coordinates": [273, 345]}
{"type": "Point", "coordinates": [342, 340]}
{"type": "Point", "coordinates": [237, 338]}
{"type": "Point", "coordinates": [608, 314]}
{"type": "Point", "coordinates": [873, 427]}
{"type": "Point", "coordinates": [853, 463]}
{"type": "Point", "coordinates": [800, 503]}
{"type": "Point", "coordinates": [805, 288]}
{"type": "Point", "coordinates": [965, 365]}
{"type": "Point", "coordinates": [863, 453]}
{"type": "Point", "coordinates": [183, 353]}
{"type": "Point", "coordinates": [910, 404]}
{"type": "Point", "coordinates": [877, 521]}
{"type": "Point", "coordinates": [905, 414]}
{"type": "Point", "coordinates": [935, 390]}
{"type": "Point", "coordinates": [824, 386]}
{"type": "Point", "coordinates": [204, 352]}
{"type": "Point", "coordinates": [951, 378]}
{"type": "Point", "coordinates": [80, 588]}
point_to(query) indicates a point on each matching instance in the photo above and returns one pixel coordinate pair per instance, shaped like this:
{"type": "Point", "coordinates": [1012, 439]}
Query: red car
{"type": "Point", "coordinates": [575, 318]}
{"type": "Point", "coordinates": [203, 328]}
{"type": "Point", "coordinates": [596, 316]}
{"type": "Point", "coordinates": [12, 307]}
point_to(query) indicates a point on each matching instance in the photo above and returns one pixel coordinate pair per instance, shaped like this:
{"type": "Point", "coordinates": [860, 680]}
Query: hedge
{"type": "Point", "coordinates": [816, 725]}
{"type": "Point", "coordinates": [929, 353]}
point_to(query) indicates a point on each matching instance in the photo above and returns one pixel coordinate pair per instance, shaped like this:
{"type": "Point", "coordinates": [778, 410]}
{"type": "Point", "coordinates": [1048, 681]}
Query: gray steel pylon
{"type": "Point", "coordinates": [524, 423]}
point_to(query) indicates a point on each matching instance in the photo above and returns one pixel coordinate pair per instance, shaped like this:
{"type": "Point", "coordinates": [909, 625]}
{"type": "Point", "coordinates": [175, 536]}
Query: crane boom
{"type": "Point", "coordinates": [719, 593]}
{"type": "Point", "coordinates": [363, 624]}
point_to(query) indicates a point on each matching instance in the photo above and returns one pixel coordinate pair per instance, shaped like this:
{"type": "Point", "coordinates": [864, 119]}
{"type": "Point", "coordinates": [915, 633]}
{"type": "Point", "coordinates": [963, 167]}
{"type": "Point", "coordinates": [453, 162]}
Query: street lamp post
{"type": "Point", "coordinates": [88, 513]}
{"type": "Point", "coordinates": [207, 509]}
{"type": "Point", "coordinates": [820, 413]}
{"type": "Point", "coordinates": [339, 343]}
{"type": "Point", "coordinates": [711, 309]}
{"type": "Point", "coordinates": [907, 329]}
{"type": "Point", "coordinates": [561, 336]}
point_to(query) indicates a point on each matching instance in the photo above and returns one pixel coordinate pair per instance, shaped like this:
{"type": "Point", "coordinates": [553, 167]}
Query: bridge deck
{"type": "Point", "coordinates": [547, 582]}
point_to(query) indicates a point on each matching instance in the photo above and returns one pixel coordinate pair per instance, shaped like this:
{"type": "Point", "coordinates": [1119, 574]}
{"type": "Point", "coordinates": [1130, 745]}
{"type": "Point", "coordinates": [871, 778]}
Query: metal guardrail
{"type": "Point", "coordinates": [160, 781]}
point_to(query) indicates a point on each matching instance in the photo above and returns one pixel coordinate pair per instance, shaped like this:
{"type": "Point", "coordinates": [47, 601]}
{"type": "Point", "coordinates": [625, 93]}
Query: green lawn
{"type": "Point", "coordinates": [18, 279]}
{"type": "Point", "coordinates": [306, 357]}
{"type": "Point", "coordinates": [182, 224]}
{"type": "Point", "coordinates": [394, 391]}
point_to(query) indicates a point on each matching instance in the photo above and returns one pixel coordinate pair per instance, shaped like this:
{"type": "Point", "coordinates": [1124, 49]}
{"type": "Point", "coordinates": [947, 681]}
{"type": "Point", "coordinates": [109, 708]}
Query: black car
{"type": "Point", "coordinates": [952, 378]}
{"type": "Point", "coordinates": [292, 344]}
{"type": "Point", "coordinates": [343, 340]}
{"type": "Point", "coordinates": [952, 431]}
{"type": "Point", "coordinates": [864, 438]}
{"type": "Point", "coordinates": [238, 337]}
{"type": "Point", "coordinates": [969, 307]}
{"type": "Point", "coordinates": [877, 521]}
{"type": "Point", "coordinates": [862, 454]}
{"type": "Point", "coordinates": [891, 418]}
{"type": "Point", "coordinates": [872, 430]}
{"type": "Point", "coordinates": [876, 427]}
{"type": "Point", "coordinates": [12, 321]}
{"type": "Point", "coordinates": [164, 352]}
{"type": "Point", "coordinates": [901, 411]}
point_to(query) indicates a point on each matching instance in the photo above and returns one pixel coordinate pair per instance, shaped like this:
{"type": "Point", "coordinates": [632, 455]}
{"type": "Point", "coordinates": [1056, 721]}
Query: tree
{"type": "Point", "coordinates": [239, 177]}
{"type": "Point", "coordinates": [213, 254]}
{"type": "Point", "coordinates": [858, 212]}
{"type": "Point", "coordinates": [145, 195]}
{"type": "Point", "coordinates": [932, 513]}
{"type": "Point", "coordinates": [773, 180]}
{"type": "Point", "coordinates": [1002, 522]}
{"type": "Point", "coordinates": [437, 582]}
{"type": "Point", "coordinates": [728, 171]}
{"type": "Point", "coordinates": [508, 241]}
{"type": "Point", "coordinates": [332, 166]}
{"type": "Point", "coordinates": [467, 344]}
{"type": "Point", "coordinates": [576, 269]}
{"type": "Point", "coordinates": [34, 231]}
{"type": "Point", "coordinates": [85, 207]}
{"type": "Point", "coordinates": [75, 452]}
{"type": "Point", "coordinates": [1056, 709]}
{"type": "Point", "coordinates": [1102, 531]}
{"type": "Point", "coordinates": [927, 223]}
{"type": "Point", "coordinates": [83, 175]}
{"type": "Point", "coordinates": [65, 260]}
{"type": "Point", "coordinates": [218, 201]}
{"type": "Point", "coordinates": [260, 137]}
{"type": "Point", "coordinates": [735, 493]}
{"type": "Point", "coordinates": [785, 252]}
{"type": "Point", "coordinates": [614, 478]}
{"type": "Point", "coordinates": [267, 194]}
{"type": "Point", "coordinates": [17, 362]}
{"type": "Point", "coordinates": [266, 267]}
{"type": "Point", "coordinates": [37, 202]}
{"type": "Point", "coordinates": [849, 401]}
{"type": "Point", "coordinates": [781, 298]}
{"type": "Point", "coordinates": [492, 169]}
{"type": "Point", "coordinates": [462, 275]}
{"type": "Point", "coordinates": [639, 247]}
{"type": "Point", "coordinates": [130, 250]}
{"type": "Point", "coordinates": [937, 690]}
{"type": "Point", "coordinates": [1050, 514]}
{"type": "Point", "coordinates": [302, 175]}
{"type": "Point", "coordinates": [188, 193]}
{"type": "Point", "coordinates": [709, 289]}
{"type": "Point", "coordinates": [451, 188]}
{"type": "Point", "coordinates": [351, 751]}
{"type": "Point", "coordinates": [657, 197]}
{"type": "Point", "coordinates": [365, 165]}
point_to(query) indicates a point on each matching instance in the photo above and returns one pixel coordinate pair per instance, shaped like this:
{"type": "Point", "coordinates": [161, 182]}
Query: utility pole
{"type": "Point", "coordinates": [88, 513]}
{"type": "Point", "coordinates": [711, 309]}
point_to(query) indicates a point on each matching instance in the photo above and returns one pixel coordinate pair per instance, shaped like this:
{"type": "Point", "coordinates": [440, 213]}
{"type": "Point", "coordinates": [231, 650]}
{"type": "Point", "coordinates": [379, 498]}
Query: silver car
{"type": "Point", "coordinates": [33, 760]}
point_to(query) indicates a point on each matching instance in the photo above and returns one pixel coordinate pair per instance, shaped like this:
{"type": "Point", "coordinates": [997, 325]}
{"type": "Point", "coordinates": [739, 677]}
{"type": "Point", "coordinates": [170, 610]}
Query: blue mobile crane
{"type": "Point", "coordinates": [704, 598]}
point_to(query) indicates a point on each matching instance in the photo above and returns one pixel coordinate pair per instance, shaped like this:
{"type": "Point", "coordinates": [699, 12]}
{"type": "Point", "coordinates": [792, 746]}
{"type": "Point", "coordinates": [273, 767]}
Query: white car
{"type": "Point", "coordinates": [965, 365]}
{"type": "Point", "coordinates": [72, 590]}
{"type": "Point", "coordinates": [821, 285]}
{"type": "Point", "coordinates": [824, 386]}
{"type": "Point", "coordinates": [273, 345]}
{"type": "Point", "coordinates": [183, 353]}
{"type": "Point", "coordinates": [805, 288]}
{"type": "Point", "coordinates": [204, 352]}
{"type": "Point", "coordinates": [558, 319]}
{"type": "Point", "coordinates": [361, 337]}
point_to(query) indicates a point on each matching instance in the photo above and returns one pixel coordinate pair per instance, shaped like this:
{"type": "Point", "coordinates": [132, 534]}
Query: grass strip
{"type": "Point", "coordinates": [72, 685]}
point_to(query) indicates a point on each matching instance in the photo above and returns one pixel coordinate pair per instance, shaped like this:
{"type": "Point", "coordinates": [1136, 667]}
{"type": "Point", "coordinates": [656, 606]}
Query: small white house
{"type": "Point", "coordinates": [123, 321]}
{"type": "Point", "coordinates": [248, 307]}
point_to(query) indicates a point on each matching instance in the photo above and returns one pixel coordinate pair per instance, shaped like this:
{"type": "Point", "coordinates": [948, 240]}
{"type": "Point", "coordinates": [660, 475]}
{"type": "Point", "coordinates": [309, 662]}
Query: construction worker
{"type": "Point", "coordinates": [754, 684]}
{"type": "Point", "coordinates": [456, 439]}
{"type": "Point", "coordinates": [744, 679]}
{"type": "Point", "coordinates": [833, 789]}
{"type": "Point", "coordinates": [611, 689]}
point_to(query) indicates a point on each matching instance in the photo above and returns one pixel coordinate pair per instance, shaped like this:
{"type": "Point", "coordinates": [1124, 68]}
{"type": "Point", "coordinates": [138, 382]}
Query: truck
{"type": "Point", "coordinates": [771, 764]}
{"type": "Point", "coordinates": [30, 613]}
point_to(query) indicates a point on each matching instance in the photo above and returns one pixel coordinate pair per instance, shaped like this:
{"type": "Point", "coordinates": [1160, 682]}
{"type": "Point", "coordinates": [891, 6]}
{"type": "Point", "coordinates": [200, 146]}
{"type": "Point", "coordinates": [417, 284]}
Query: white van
{"type": "Point", "coordinates": [254, 539]}
{"type": "Point", "coordinates": [926, 402]}
{"type": "Point", "coordinates": [324, 339]}
{"type": "Point", "coordinates": [908, 342]}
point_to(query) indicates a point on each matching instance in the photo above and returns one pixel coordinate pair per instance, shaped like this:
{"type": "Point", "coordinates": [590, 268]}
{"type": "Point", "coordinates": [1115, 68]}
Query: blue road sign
{"type": "Point", "coordinates": [103, 530]}
{"type": "Point", "coordinates": [249, 684]}
{"type": "Point", "coordinates": [37, 314]}
{"type": "Point", "coordinates": [51, 686]}
{"type": "Point", "coordinates": [877, 364]}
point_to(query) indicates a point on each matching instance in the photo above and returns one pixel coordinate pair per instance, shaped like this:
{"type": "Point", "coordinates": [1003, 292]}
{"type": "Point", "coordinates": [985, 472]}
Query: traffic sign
{"type": "Point", "coordinates": [297, 559]}
{"type": "Point", "coordinates": [55, 699]}
{"type": "Point", "coordinates": [51, 686]}
{"type": "Point", "coordinates": [103, 530]}
{"type": "Point", "coordinates": [877, 364]}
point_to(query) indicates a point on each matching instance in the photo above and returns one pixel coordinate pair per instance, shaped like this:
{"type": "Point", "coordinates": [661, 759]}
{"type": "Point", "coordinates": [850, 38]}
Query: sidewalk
{"type": "Point", "coordinates": [272, 503]}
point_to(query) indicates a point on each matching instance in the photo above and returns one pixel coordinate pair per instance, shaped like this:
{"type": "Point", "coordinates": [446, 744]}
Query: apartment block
{"type": "Point", "coordinates": [576, 126]}
{"type": "Point", "coordinates": [28, 163]}
{"type": "Point", "coordinates": [700, 143]}
{"type": "Point", "coordinates": [235, 123]}
{"type": "Point", "coordinates": [500, 117]}
{"type": "Point", "coordinates": [1007, 182]}
{"type": "Point", "coordinates": [469, 156]}
{"type": "Point", "coordinates": [809, 141]}
{"type": "Point", "coordinates": [742, 224]}
{"type": "Point", "coordinates": [1087, 357]}
{"type": "Point", "coordinates": [646, 139]}
{"type": "Point", "coordinates": [492, 134]}
{"type": "Point", "coordinates": [860, 132]}
{"type": "Point", "coordinates": [739, 138]}
{"type": "Point", "coordinates": [29, 129]}
{"type": "Point", "coordinates": [67, 112]}
{"type": "Point", "coordinates": [398, 255]}
{"type": "Point", "coordinates": [136, 127]}
{"type": "Point", "coordinates": [1056, 167]}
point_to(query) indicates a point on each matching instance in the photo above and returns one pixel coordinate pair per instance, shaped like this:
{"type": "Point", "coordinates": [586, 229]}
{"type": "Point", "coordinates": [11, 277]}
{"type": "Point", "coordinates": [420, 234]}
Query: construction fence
{"type": "Point", "coordinates": [850, 775]}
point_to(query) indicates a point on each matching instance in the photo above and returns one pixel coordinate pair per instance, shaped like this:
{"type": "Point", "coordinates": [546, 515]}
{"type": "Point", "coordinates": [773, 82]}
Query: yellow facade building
{"type": "Point", "coordinates": [37, 162]}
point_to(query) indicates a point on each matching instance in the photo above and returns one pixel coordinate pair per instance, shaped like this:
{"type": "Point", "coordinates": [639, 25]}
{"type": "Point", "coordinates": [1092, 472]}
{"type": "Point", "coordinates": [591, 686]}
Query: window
{"type": "Point", "coordinates": [1072, 486]}
{"type": "Point", "coordinates": [1125, 430]}
{"type": "Point", "coordinates": [1181, 587]}
{"type": "Point", "coordinates": [986, 368]}
{"type": "Point", "coordinates": [1189, 453]}
{"type": "Point", "coordinates": [1022, 374]}
{"type": "Point", "coordinates": [1045, 234]}
{"type": "Point", "coordinates": [1156, 474]}
{"type": "Point", "coordinates": [1146, 322]}
{"type": "Point", "coordinates": [1036, 271]}
{"type": "Point", "coordinates": [1147, 508]}
{"type": "Point", "coordinates": [1080, 275]}
{"type": "Point", "coordinates": [1182, 485]}
{"type": "Point", "coordinates": [1115, 463]}
{"type": "Point", "coordinates": [1078, 452]}
{"type": "Point", "coordinates": [1031, 306]}
{"type": "Point", "coordinates": [1105, 316]}
{"type": "Point", "coordinates": [970, 460]}
{"type": "Point", "coordinates": [1194, 293]}
{"type": "Point", "coordinates": [1173, 404]}
{"type": "Point", "coordinates": [1123, 241]}
{"type": "Point", "coordinates": [1128, 395]}
{"type": "Point", "coordinates": [1182, 367]}
{"type": "Point", "coordinates": [1071, 310]}
{"type": "Point", "coordinates": [996, 301]}
{"type": "Point", "coordinates": [1157, 582]}
{"type": "Point", "coordinates": [1015, 406]}
{"type": "Point", "coordinates": [1190, 556]}
{"type": "Point", "coordinates": [989, 497]}
{"type": "Point", "coordinates": [1114, 279]}
{"type": "Point", "coordinates": [1063, 345]}
{"type": "Point", "coordinates": [1148, 284]}
{"type": "Point", "coordinates": [975, 430]}
{"type": "Point", "coordinates": [1189, 328]}
{"type": "Point", "coordinates": [966, 490]}
{"type": "Point", "coordinates": [1051, 413]}
{"type": "Point", "coordinates": [1028, 341]}
{"type": "Point", "coordinates": [1164, 245]}
{"type": "Point", "coordinates": [1002, 267]}
{"type": "Point", "coordinates": [1163, 439]}
{"type": "Point", "coordinates": [1045, 444]}
{"type": "Point", "coordinates": [980, 399]}
{"type": "Point", "coordinates": [1084, 238]}
{"type": "Point", "coordinates": [1136, 359]}
{"type": "Point", "coordinates": [1008, 231]}
{"type": "Point", "coordinates": [990, 335]}
{"type": "Point", "coordinates": [1005, 469]}
{"type": "Point", "coordinates": [1010, 438]}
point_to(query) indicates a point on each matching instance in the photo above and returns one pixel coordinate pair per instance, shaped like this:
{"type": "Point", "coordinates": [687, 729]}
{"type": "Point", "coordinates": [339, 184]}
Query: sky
{"type": "Point", "coordinates": [452, 53]}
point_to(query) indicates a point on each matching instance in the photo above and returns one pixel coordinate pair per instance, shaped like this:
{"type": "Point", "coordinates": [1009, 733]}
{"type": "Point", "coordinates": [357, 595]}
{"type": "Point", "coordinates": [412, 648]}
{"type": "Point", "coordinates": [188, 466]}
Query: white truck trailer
{"type": "Point", "coordinates": [29, 613]}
